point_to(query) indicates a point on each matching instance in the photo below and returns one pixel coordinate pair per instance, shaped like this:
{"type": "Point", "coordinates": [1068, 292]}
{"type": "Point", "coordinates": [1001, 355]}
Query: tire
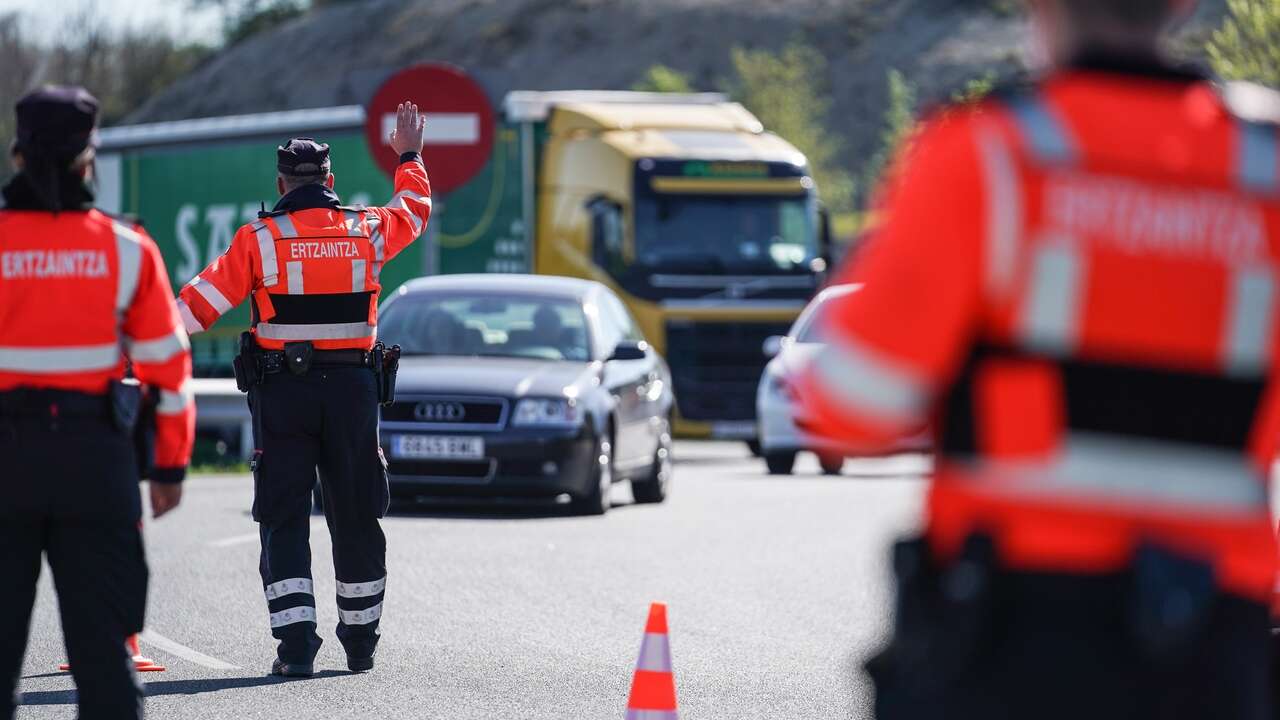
{"type": "Point", "coordinates": [754, 447]}
{"type": "Point", "coordinates": [780, 463]}
{"type": "Point", "coordinates": [831, 464]}
{"type": "Point", "coordinates": [597, 500]}
{"type": "Point", "coordinates": [653, 488]}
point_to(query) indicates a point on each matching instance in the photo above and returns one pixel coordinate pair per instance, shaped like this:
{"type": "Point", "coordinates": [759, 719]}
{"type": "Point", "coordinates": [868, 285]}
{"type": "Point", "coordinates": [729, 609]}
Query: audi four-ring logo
{"type": "Point", "coordinates": [440, 412]}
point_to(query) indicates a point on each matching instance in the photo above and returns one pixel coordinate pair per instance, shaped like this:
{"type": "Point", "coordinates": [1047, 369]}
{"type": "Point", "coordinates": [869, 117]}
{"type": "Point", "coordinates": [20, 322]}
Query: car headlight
{"type": "Point", "coordinates": [780, 386]}
{"type": "Point", "coordinates": [556, 412]}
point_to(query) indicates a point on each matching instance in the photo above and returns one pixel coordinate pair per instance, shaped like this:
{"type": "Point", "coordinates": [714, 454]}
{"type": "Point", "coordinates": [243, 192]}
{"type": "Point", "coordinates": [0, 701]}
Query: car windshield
{"type": "Point", "coordinates": [487, 325]}
{"type": "Point", "coordinates": [812, 324]}
{"type": "Point", "coordinates": [709, 234]}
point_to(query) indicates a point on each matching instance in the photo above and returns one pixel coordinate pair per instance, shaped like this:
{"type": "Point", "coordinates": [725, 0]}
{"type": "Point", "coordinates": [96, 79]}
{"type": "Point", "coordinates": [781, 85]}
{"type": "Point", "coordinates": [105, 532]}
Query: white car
{"type": "Point", "coordinates": [776, 401]}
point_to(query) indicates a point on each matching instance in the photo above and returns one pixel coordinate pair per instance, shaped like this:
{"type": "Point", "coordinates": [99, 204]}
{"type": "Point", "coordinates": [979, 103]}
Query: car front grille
{"type": "Point", "coordinates": [716, 367]}
{"type": "Point", "coordinates": [443, 412]}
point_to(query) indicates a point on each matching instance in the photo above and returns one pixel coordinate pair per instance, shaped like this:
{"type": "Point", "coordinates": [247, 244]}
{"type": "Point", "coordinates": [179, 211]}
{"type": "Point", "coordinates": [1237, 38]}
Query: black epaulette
{"type": "Point", "coordinates": [1251, 102]}
{"type": "Point", "coordinates": [130, 220]}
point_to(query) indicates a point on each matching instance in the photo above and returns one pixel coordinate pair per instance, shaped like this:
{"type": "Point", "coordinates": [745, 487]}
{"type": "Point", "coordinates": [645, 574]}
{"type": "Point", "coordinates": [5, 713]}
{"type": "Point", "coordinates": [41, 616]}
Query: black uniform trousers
{"type": "Point", "coordinates": [325, 421]}
{"type": "Point", "coordinates": [1156, 642]}
{"type": "Point", "coordinates": [69, 491]}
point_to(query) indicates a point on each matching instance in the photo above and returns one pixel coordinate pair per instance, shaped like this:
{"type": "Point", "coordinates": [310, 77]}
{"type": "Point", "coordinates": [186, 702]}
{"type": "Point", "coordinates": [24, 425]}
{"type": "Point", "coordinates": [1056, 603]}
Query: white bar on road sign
{"type": "Point", "coordinates": [442, 128]}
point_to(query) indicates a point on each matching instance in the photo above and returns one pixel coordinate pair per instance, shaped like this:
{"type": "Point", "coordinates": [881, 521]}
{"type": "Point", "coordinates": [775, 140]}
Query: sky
{"type": "Point", "coordinates": [48, 15]}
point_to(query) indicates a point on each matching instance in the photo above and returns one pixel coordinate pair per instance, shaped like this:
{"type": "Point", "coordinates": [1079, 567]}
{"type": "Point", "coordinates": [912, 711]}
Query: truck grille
{"type": "Point", "coordinates": [716, 367]}
{"type": "Point", "coordinates": [448, 412]}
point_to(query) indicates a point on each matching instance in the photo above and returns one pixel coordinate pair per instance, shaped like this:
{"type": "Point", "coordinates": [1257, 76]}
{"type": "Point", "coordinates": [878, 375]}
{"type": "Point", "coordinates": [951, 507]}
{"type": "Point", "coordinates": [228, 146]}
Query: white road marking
{"type": "Point", "coordinates": [235, 540]}
{"type": "Point", "coordinates": [151, 637]}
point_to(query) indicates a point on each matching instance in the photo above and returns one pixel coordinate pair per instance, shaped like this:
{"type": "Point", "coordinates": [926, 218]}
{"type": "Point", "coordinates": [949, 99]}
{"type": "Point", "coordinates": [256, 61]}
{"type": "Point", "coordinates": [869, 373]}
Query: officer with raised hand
{"type": "Point", "coordinates": [1077, 281]}
{"type": "Point", "coordinates": [81, 295]}
{"type": "Point", "coordinates": [315, 378]}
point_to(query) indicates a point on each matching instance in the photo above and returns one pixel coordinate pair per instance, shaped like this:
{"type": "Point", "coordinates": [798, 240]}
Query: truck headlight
{"type": "Point", "coordinates": [547, 412]}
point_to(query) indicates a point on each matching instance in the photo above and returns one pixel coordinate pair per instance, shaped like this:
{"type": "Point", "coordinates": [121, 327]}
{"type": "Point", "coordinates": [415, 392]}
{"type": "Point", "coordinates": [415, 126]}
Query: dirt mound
{"type": "Point", "coordinates": [339, 55]}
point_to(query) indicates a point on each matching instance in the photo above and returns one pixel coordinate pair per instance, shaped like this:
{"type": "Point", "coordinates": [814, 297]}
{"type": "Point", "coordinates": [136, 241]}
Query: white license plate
{"type": "Point", "coordinates": [733, 430]}
{"type": "Point", "coordinates": [437, 447]}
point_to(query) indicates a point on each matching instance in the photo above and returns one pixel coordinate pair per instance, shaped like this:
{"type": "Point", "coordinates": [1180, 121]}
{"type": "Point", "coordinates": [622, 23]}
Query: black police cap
{"type": "Point", "coordinates": [57, 119]}
{"type": "Point", "coordinates": [302, 157]}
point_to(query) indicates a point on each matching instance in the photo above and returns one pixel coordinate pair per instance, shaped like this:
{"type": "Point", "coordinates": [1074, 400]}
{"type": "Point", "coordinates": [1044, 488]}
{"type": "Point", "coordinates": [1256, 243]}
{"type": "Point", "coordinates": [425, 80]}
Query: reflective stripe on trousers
{"type": "Point", "coordinates": [1121, 471]}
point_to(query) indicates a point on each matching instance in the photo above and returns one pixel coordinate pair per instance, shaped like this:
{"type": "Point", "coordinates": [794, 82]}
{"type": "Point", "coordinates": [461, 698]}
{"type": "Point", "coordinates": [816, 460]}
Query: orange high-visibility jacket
{"type": "Point", "coordinates": [313, 274]}
{"type": "Point", "coordinates": [79, 293]}
{"type": "Point", "coordinates": [1077, 285]}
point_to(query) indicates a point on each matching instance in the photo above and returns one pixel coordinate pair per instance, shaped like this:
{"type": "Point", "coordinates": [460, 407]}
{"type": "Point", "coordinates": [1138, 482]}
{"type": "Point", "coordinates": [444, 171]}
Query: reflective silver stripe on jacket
{"type": "Point", "coordinates": [1153, 474]}
{"type": "Point", "coordinates": [267, 250]}
{"type": "Point", "coordinates": [189, 321]}
{"type": "Point", "coordinates": [378, 241]}
{"type": "Point", "coordinates": [1042, 129]}
{"type": "Point", "coordinates": [1050, 316]}
{"type": "Point", "coordinates": [652, 715]}
{"type": "Point", "coordinates": [293, 271]}
{"type": "Point", "coordinates": [212, 295]}
{"type": "Point", "coordinates": [1004, 209]}
{"type": "Point", "coordinates": [328, 331]}
{"type": "Point", "coordinates": [360, 617]}
{"type": "Point", "coordinates": [1250, 321]}
{"type": "Point", "coordinates": [288, 587]}
{"type": "Point", "coordinates": [285, 225]}
{"type": "Point", "coordinates": [655, 653]}
{"type": "Point", "coordinates": [862, 379]}
{"type": "Point", "coordinates": [160, 349]}
{"type": "Point", "coordinates": [353, 221]}
{"type": "Point", "coordinates": [364, 589]}
{"type": "Point", "coordinates": [172, 403]}
{"type": "Point", "coordinates": [47, 360]}
{"type": "Point", "coordinates": [302, 613]}
{"type": "Point", "coordinates": [1258, 162]}
{"type": "Point", "coordinates": [129, 254]}
{"type": "Point", "coordinates": [358, 268]}
{"type": "Point", "coordinates": [398, 201]}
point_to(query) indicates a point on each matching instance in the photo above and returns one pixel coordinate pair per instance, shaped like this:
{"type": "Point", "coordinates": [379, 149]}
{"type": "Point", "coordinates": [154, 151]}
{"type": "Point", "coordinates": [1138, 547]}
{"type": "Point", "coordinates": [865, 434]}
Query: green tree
{"type": "Point", "coordinates": [975, 89]}
{"type": "Point", "coordinates": [899, 121]}
{"type": "Point", "coordinates": [784, 90]}
{"type": "Point", "coordinates": [663, 79]}
{"type": "Point", "coordinates": [1246, 46]}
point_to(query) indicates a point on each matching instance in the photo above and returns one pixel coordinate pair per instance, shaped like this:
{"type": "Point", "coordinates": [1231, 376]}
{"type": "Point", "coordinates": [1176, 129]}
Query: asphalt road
{"type": "Point", "coordinates": [777, 589]}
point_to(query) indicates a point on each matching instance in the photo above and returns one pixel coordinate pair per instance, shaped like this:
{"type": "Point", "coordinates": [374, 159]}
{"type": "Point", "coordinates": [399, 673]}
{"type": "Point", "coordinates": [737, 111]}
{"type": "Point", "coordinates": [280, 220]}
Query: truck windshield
{"type": "Point", "coordinates": [759, 235]}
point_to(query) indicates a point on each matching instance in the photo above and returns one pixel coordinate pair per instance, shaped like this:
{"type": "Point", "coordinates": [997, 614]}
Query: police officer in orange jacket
{"type": "Point", "coordinates": [1077, 281]}
{"type": "Point", "coordinates": [314, 377]}
{"type": "Point", "coordinates": [81, 294]}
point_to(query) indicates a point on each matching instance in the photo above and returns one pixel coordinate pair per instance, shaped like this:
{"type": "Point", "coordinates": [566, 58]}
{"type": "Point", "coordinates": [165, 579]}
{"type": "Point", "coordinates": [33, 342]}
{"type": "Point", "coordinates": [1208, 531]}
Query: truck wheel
{"type": "Point", "coordinates": [754, 447]}
{"type": "Point", "coordinates": [653, 488]}
{"type": "Point", "coordinates": [780, 463]}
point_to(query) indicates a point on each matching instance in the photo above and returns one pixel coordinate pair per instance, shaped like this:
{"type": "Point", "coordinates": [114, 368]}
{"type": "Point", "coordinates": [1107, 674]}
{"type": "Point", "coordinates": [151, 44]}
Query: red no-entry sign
{"type": "Point", "coordinates": [459, 136]}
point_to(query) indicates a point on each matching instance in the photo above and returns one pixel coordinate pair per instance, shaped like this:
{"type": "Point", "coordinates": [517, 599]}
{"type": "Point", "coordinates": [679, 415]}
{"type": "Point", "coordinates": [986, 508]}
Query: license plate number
{"type": "Point", "coordinates": [437, 447]}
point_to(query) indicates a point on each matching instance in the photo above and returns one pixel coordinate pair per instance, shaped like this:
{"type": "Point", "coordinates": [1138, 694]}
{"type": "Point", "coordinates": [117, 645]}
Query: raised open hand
{"type": "Point", "coordinates": [407, 137]}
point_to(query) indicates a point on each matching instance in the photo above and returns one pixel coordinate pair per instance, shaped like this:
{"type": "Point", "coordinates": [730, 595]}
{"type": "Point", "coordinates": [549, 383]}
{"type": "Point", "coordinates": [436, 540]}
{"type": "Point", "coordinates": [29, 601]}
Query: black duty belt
{"type": "Point", "coordinates": [274, 361]}
{"type": "Point", "coordinates": [43, 403]}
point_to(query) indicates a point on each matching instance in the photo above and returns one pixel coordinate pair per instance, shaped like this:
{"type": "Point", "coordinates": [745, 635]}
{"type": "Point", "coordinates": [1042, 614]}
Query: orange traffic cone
{"type": "Point", "coordinates": [141, 663]}
{"type": "Point", "coordinates": [653, 689]}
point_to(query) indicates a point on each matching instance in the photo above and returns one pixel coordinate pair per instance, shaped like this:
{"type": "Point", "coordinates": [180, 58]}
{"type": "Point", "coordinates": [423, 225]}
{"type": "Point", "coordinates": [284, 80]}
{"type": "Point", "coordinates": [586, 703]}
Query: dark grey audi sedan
{"type": "Point", "coordinates": [523, 387]}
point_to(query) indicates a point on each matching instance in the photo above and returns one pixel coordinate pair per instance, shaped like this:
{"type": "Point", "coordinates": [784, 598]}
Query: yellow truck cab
{"type": "Point", "coordinates": [705, 224]}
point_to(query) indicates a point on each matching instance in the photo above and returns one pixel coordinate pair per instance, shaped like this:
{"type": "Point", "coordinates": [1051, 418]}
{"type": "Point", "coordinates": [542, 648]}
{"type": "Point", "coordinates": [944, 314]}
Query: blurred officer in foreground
{"type": "Point", "coordinates": [76, 288]}
{"type": "Point", "coordinates": [1077, 283]}
{"type": "Point", "coordinates": [315, 378]}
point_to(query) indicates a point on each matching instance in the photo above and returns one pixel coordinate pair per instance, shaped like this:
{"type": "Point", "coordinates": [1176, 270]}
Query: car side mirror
{"type": "Point", "coordinates": [773, 345]}
{"type": "Point", "coordinates": [629, 350]}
